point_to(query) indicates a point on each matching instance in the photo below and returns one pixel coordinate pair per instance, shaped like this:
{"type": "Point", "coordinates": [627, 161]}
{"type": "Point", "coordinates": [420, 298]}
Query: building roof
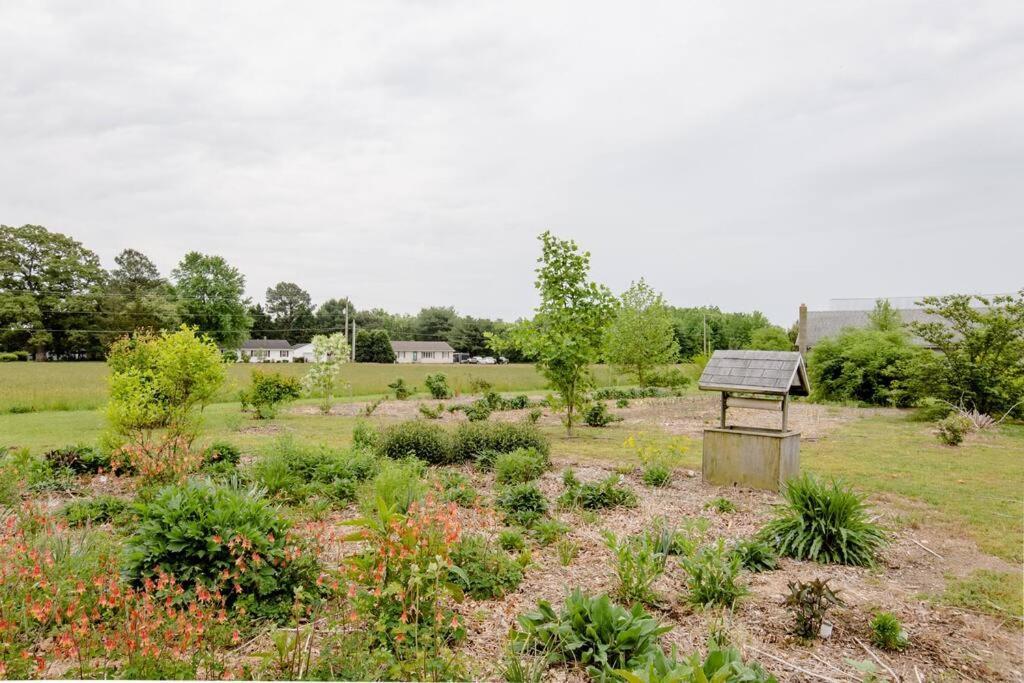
{"type": "Point", "coordinates": [759, 372]}
{"type": "Point", "coordinates": [399, 346]}
{"type": "Point", "coordinates": [825, 324]}
{"type": "Point", "coordinates": [272, 344]}
{"type": "Point", "coordinates": [296, 347]}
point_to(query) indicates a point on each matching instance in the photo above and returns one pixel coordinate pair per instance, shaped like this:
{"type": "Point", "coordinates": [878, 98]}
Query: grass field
{"type": "Point", "coordinates": [34, 387]}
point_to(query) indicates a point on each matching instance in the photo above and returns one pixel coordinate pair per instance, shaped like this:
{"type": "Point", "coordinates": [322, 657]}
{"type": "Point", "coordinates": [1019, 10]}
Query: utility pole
{"type": "Point", "coordinates": [704, 329]}
{"type": "Point", "coordinates": [353, 340]}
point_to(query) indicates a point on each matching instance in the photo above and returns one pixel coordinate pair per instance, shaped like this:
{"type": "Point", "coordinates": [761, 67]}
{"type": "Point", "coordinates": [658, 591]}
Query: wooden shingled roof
{"type": "Point", "coordinates": [759, 372]}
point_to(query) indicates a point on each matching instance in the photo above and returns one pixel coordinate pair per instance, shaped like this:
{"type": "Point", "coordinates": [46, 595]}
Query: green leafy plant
{"type": "Point", "coordinates": [952, 429]}
{"type": "Point", "coordinates": [486, 572]}
{"type": "Point", "coordinates": [434, 413]}
{"type": "Point", "coordinates": [401, 390]}
{"type": "Point", "coordinates": [638, 561]}
{"type": "Point", "coordinates": [534, 415]}
{"type": "Point", "coordinates": [222, 452]}
{"type": "Point", "coordinates": [723, 505]}
{"type": "Point", "coordinates": [622, 403]}
{"type": "Point", "coordinates": [591, 631]}
{"type": "Point", "coordinates": [396, 486]}
{"type": "Point", "coordinates": [293, 471]}
{"type": "Point", "coordinates": [658, 460]}
{"type": "Point", "coordinates": [722, 665]}
{"type": "Point", "coordinates": [547, 530]}
{"type": "Point", "coordinates": [597, 415]}
{"type": "Point", "coordinates": [210, 537]}
{"type": "Point", "coordinates": [823, 522]}
{"type": "Point", "coordinates": [364, 436]}
{"type": "Point", "coordinates": [477, 411]}
{"type": "Point", "coordinates": [523, 504]}
{"type": "Point", "coordinates": [520, 466]}
{"type": "Point", "coordinates": [511, 540]}
{"type": "Point", "coordinates": [712, 576]}
{"type": "Point", "coordinates": [756, 555]}
{"type": "Point", "coordinates": [372, 406]}
{"type": "Point", "coordinates": [809, 602]}
{"type": "Point", "coordinates": [330, 352]}
{"type": "Point", "coordinates": [597, 496]}
{"type": "Point", "coordinates": [888, 633]}
{"type": "Point", "coordinates": [79, 459]}
{"type": "Point", "coordinates": [456, 488]}
{"type": "Point", "coordinates": [437, 385]}
{"type": "Point", "coordinates": [567, 551]}
{"type": "Point", "coordinates": [267, 392]}
{"type": "Point", "coordinates": [96, 510]}
{"type": "Point", "coordinates": [426, 441]}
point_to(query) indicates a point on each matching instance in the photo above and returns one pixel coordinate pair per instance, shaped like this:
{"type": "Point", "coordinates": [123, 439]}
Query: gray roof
{"type": "Point", "coordinates": [825, 324]}
{"type": "Point", "coordinates": [760, 372]}
{"type": "Point", "coordinates": [273, 344]}
{"type": "Point", "coordinates": [420, 346]}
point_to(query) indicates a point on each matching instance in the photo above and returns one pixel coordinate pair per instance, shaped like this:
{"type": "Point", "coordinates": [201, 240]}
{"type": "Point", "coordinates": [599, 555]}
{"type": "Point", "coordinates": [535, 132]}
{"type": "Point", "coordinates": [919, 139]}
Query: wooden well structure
{"type": "Point", "coordinates": [755, 457]}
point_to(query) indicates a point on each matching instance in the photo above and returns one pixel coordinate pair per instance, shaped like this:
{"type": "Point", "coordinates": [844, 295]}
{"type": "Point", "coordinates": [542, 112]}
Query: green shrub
{"type": "Point", "coordinates": [472, 439]}
{"type": "Point", "coordinates": [397, 485]}
{"type": "Point", "coordinates": [437, 385]}
{"type": "Point", "coordinates": [8, 357]}
{"type": "Point", "coordinates": [671, 378]}
{"type": "Point", "coordinates": [401, 389]}
{"type": "Point", "coordinates": [597, 415]}
{"type": "Point", "coordinates": [268, 392]}
{"type": "Point", "coordinates": [656, 474]}
{"type": "Point", "coordinates": [293, 471]}
{"type": "Point", "coordinates": [222, 451]}
{"type": "Point", "coordinates": [511, 539]}
{"type": "Point", "coordinates": [756, 555]}
{"type": "Point", "coordinates": [517, 402]}
{"type": "Point", "coordinates": [42, 475]}
{"type": "Point", "coordinates": [456, 488]}
{"type": "Point", "coordinates": [96, 510]}
{"type": "Point", "coordinates": [486, 572]}
{"type": "Point", "coordinates": [712, 576]}
{"type": "Point", "coordinates": [865, 365]}
{"type": "Point", "coordinates": [547, 531]}
{"type": "Point", "coordinates": [520, 466]}
{"type": "Point", "coordinates": [616, 393]}
{"type": "Point", "coordinates": [824, 523]}
{"type": "Point", "coordinates": [201, 533]}
{"type": "Point", "coordinates": [78, 459]}
{"type": "Point", "coordinates": [477, 411]}
{"type": "Point", "coordinates": [953, 428]}
{"type": "Point", "coordinates": [592, 631]}
{"type": "Point", "coordinates": [888, 633]}
{"type": "Point", "coordinates": [596, 496]}
{"type": "Point", "coordinates": [365, 436]}
{"type": "Point", "coordinates": [534, 415]}
{"type": "Point", "coordinates": [809, 602]}
{"type": "Point", "coordinates": [523, 504]}
{"type": "Point", "coordinates": [431, 413]}
{"type": "Point", "coordinates": [931, 410]}
{"type": "Point", "coordinates": [622, 403]}
{"type": "Point", "coordinates": [426, 441]}
{"type": "Point", "coordinates": [639, 561]}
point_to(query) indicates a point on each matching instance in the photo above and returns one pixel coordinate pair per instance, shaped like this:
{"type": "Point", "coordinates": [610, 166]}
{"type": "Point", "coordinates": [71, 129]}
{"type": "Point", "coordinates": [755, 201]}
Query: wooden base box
{"type": "Point", "coordinates": [752, 458]}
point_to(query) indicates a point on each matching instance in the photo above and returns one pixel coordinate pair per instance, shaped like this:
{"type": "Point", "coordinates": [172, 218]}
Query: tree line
{"type": "Point", "coordinates": [57, 301]}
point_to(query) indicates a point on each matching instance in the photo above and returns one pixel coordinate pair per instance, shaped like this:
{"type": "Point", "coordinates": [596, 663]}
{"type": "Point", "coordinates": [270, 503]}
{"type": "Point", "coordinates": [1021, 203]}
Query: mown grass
{"type": "Point", "coordinates": [1000, 594]}
{"type": "Point", "coordinates": [35, 387]}
{"type": "Point", "coordinates": [978, 486]}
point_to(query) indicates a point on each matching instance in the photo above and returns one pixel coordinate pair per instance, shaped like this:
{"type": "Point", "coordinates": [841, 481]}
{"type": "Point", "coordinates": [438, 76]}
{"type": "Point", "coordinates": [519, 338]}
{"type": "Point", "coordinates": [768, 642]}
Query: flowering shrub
{"type": "Point", "coordinates": [212, 537]}
{"type": "Point", "coordinates": [65, 610]}
{"type": "Point", "coordinates": [400, 586]}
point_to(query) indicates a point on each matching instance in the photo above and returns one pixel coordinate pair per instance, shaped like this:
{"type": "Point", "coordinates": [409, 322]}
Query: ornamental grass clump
{"type": "Point", "coordinates": [824, 522]}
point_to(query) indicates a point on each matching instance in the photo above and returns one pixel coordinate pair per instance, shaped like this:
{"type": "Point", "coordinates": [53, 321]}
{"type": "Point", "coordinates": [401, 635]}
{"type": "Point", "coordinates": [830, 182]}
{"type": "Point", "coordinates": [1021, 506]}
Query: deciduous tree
{"type": "Point", "coordinates": [567, 331]}
{"type": "Point", "coordinates": [137, 297]}
{"type": "Point", "coordinates": [374, 346]}
{"type": "Point", "coordinates": [211, 297]}
{"type": "Point", "coordinates": [641, 335]}
{"type": "Point", "coordinates": [330, 352]}
{"type": "Point", "coordinates": [291, 311]}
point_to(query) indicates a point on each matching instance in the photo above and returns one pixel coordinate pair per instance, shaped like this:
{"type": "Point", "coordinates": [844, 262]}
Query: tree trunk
{"type": "Point", "coordinates": [40, 354]}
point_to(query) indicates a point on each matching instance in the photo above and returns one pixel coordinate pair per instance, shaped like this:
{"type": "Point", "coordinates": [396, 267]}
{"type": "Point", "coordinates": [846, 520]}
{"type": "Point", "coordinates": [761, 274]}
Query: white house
{"type": "Point", "coordinates": [266, 351]}
{"type": "Point", "coordinates": [423, 352]}
{"type": "Point", "coordinates": [303, 353]}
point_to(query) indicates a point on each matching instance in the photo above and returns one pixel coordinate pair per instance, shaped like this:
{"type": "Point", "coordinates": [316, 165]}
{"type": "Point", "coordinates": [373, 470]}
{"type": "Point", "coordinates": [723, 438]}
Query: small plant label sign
{"type": "Point", "coordinates": [826, 630]}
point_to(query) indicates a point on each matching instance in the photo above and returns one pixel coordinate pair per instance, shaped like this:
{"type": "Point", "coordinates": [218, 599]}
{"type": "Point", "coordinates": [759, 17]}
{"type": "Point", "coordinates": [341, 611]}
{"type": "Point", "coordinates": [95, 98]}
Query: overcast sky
{"type": "Point", "coordinates": [751, 155]}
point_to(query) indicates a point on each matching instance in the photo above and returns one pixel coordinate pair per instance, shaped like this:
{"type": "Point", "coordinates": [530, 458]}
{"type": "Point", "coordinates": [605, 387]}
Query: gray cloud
{"type": "Point", "coordinates": [407, 153]}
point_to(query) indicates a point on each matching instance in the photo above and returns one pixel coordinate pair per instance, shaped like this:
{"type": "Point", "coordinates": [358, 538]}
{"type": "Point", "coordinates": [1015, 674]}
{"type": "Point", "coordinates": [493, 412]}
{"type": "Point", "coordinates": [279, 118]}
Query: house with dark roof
{"type": "Point", "coordinates": [423, 352]}
{"type": "Point", "coordinates": [266, 351]}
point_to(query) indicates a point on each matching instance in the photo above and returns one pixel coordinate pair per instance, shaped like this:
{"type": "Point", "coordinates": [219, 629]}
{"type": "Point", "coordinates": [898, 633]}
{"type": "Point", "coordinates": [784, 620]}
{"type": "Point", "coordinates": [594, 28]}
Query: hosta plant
{"type": "Point", "coordinates": [824, 522]}
{"type": "Point", "coordinates": [592, 631]}
{"type": "Point", "coordinates": [722, 665]}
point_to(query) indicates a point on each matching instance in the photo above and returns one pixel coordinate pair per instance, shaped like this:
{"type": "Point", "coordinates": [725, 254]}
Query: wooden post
{"type": "Point", "coordinates": [725, 400]}
{"type": "Point", "coordinates": [785, 411]}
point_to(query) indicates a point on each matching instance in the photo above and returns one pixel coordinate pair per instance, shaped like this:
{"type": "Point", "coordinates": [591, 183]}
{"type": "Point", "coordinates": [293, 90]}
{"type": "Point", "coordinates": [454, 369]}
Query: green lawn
{"type": "Point", "coordinates": [978, 486]}
{"type": "Point", "coordinates": [30, 387]}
